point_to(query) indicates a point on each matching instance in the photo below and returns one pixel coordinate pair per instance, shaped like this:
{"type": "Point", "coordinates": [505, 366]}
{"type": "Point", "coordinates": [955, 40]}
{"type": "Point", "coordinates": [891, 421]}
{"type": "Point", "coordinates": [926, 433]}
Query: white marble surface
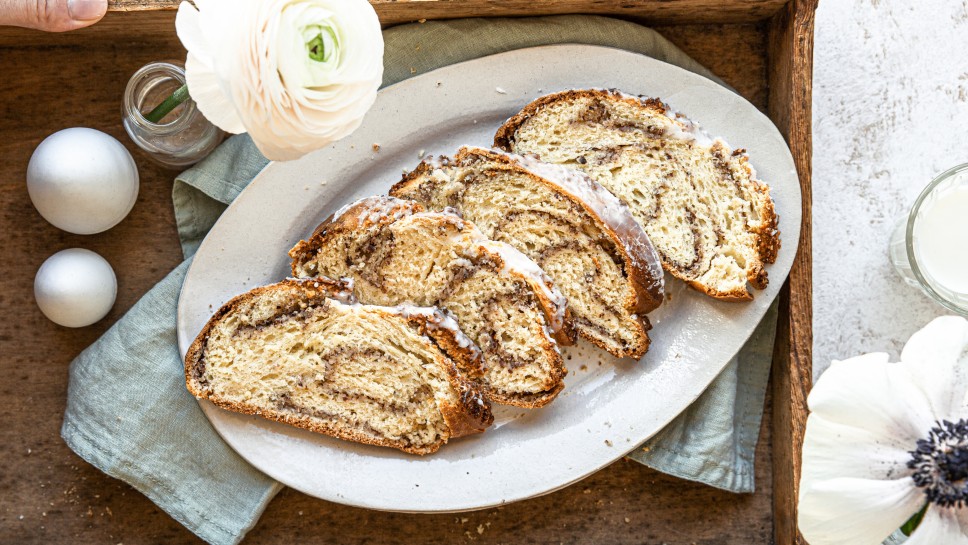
{"type": "Point", "coordinates": [890, 111]}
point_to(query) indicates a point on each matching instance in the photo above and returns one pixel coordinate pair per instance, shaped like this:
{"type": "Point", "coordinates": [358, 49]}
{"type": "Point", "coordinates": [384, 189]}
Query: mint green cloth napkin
{"type": "Point", "coordinates": [129, 414]}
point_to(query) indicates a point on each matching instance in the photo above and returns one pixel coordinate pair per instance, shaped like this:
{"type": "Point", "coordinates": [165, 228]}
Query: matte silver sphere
{"type": "Point", "coordinates": [75, 287]}
{"type": "Point", "coordinates": [82, 180]}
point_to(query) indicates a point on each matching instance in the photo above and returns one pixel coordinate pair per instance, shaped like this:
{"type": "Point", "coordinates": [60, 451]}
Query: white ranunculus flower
{"type": "Point", "coordinates": [884, 440]}
{"type": "Point", "coordinates": [295, 74]}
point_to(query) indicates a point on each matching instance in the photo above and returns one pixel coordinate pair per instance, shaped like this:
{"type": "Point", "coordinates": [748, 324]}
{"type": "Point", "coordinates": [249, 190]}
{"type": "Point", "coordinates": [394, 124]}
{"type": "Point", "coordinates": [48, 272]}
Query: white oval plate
{"type": "Point", "coordinates": [608, 406]}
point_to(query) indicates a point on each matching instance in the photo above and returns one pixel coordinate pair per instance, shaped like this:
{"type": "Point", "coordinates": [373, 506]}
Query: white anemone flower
{"type": "Point", "coordinates": [886, 440]}
{"type": "Point", "coordinates": [296, 75]}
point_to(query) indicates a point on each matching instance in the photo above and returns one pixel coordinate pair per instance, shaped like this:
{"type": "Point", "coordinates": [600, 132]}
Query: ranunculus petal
{"type": "Point", "coordinates": [938, 361]}
{"type": "Point", "coordinates": [938, 527]}
{"type": "Point", "coordinates": [869, 393]}
{"type": "Point", "coordinates": [189, 29]}
{"type": "Point", "coordinates": [209, 97]}
{"type": "Point", "coordinates": [856, 511]}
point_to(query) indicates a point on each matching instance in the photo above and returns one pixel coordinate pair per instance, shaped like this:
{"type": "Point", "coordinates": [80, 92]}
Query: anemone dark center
{"type": "Point", "coordinates": [940, 464]}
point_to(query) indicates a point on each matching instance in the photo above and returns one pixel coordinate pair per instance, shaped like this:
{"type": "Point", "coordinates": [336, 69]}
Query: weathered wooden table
{"type": "Point", "coordinates": [763, 48]}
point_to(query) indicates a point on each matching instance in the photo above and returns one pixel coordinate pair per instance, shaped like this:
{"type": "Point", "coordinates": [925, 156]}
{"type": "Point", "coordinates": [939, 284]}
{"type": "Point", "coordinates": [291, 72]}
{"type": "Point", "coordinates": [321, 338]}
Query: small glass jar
{"type": "Point", "coordinates": [924, 247]}
{"type": "Point", "coordinates": [183, 137]}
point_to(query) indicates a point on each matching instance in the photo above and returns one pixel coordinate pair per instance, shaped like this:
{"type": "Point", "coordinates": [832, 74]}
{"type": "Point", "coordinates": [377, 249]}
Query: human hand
{"type": "Point", "coordinates": [52, 15]}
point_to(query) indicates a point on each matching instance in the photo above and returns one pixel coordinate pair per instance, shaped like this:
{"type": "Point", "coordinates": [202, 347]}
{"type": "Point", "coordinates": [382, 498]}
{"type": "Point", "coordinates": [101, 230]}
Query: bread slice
{"type": "Point", "coordinates": [712, 221]}
{"type": "Point", "coordinates": [298, 352]}
{"type": "Point", "coordinates": [579, 233]}
{"type": "Point", "coordinates": [394, 252]}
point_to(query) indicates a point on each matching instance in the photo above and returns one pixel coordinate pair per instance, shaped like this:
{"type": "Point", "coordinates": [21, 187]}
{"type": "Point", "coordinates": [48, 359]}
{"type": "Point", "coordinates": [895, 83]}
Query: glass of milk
{"type": "Point", "coordinates": [929, 247]}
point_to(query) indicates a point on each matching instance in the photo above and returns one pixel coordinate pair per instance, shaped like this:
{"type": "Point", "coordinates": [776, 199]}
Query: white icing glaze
{"type": "Point", "coordinates": [341, 290]}
{"type": "Point", "coordinates": [374, 209]}
{"type": "Point", "coordinates": [550, 335]}
{"type": "Point", "coordinates": [615, 214]}
{"type": "Point", "coordinates": [437, 319]}
{"type": "Point", "coordinates": [517, 262]}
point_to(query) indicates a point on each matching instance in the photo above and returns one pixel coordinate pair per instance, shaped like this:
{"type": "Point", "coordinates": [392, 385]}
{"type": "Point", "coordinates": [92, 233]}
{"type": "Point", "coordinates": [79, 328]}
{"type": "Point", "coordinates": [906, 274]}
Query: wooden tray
{"type": "Point", "coordinates": [763, 48]}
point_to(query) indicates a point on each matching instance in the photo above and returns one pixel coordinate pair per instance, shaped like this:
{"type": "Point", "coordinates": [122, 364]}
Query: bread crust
{"type": "Point", "coordinates": [629, 239]}
{"type": "Point", "coordinates": [471, 415]}
{"type": "Point", "coordinates": [767, 235]}
{"type": "Point", "coordinates": [354, 217]}
{"type": "Point", "coordinates": [504, 137]}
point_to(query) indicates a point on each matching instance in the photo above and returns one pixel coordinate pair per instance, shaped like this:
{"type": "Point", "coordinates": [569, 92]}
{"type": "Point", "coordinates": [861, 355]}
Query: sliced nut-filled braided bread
{"type": "Point", "coordinates": [579, 233]}
{"type": "Point", "coordinates": [297, 352]}
{"type": "Point", "coordinates": [711, 220]}
{"type": "Point", "coordinates": [395, 252]}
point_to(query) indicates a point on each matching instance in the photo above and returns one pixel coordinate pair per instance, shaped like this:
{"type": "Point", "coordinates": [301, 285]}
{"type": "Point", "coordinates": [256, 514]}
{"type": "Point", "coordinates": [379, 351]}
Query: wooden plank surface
{"type": "Point", "coordinates": [791, 78]}
{"type": "Point", "coordinates": [666, 11]}
{"type": "Point", "coordinates": [51, 495]}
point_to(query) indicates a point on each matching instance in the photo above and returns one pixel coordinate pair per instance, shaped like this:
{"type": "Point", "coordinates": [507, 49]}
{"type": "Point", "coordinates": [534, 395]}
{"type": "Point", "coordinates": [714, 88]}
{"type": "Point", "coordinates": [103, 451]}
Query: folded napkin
{"type": "Point", "coordinates": [129, 414]}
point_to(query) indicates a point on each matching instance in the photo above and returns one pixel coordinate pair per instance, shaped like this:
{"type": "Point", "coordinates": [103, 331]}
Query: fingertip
{"type": "Point", "coordinates": [86, 12]}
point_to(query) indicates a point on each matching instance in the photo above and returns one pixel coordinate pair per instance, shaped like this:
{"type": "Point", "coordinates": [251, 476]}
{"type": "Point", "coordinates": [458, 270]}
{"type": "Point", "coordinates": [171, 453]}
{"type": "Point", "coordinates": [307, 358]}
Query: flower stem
{"type": "Point", "coordinates": [169, 104]}
{"type": "Point", "coordinates": [914, 521]}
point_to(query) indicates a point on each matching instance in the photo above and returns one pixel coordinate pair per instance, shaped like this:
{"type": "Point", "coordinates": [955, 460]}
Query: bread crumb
{"type": "Point", "coordinates": [376, 147]}
{"type": "Point", "coordinates": [646, 449]}
{"type": "Point", "coordinates": [583, 367]}
{"type": "Point", "coordinates": [500, 90]}
{"type": "Point", "coordinates": [480, 529]}
{"type": "Point", "coordinates": [421, 21]}
{"type": "Point", "coordinates": [438, 84]}
{"type": "Point", "coordinates": [421, 153]}
{"type": "Point", "coordinates": [627, 520]}
{"type": "Point", "coordinates": [413, 70]}
{"type": "Point", "coordinates": [608, 443]}
{"type": "Point", "coordinates": [417, 48]}
{"type": "Point", "coordinates": [586, 491]}
{"type": "Point", "coordinates": [463, 520]}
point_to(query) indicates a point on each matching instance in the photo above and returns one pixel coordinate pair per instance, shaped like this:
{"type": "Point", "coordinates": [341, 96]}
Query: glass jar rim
{"type": "Point", "coordinates": [909, 239]}
{"type": "Point", "coordinates": [171, 69]}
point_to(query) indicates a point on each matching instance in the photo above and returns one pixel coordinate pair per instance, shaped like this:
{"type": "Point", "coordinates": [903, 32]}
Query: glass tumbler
{"type": "Point", "coordinates": [929, 245]}
{"type": "Point", "coordinates": [183, 137]}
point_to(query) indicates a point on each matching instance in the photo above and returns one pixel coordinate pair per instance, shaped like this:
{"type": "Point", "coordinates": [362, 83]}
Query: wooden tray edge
{"type": "Point", "coordinates": [668, 11]}
{"type": "Point", "coordinates": [790, 51]}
